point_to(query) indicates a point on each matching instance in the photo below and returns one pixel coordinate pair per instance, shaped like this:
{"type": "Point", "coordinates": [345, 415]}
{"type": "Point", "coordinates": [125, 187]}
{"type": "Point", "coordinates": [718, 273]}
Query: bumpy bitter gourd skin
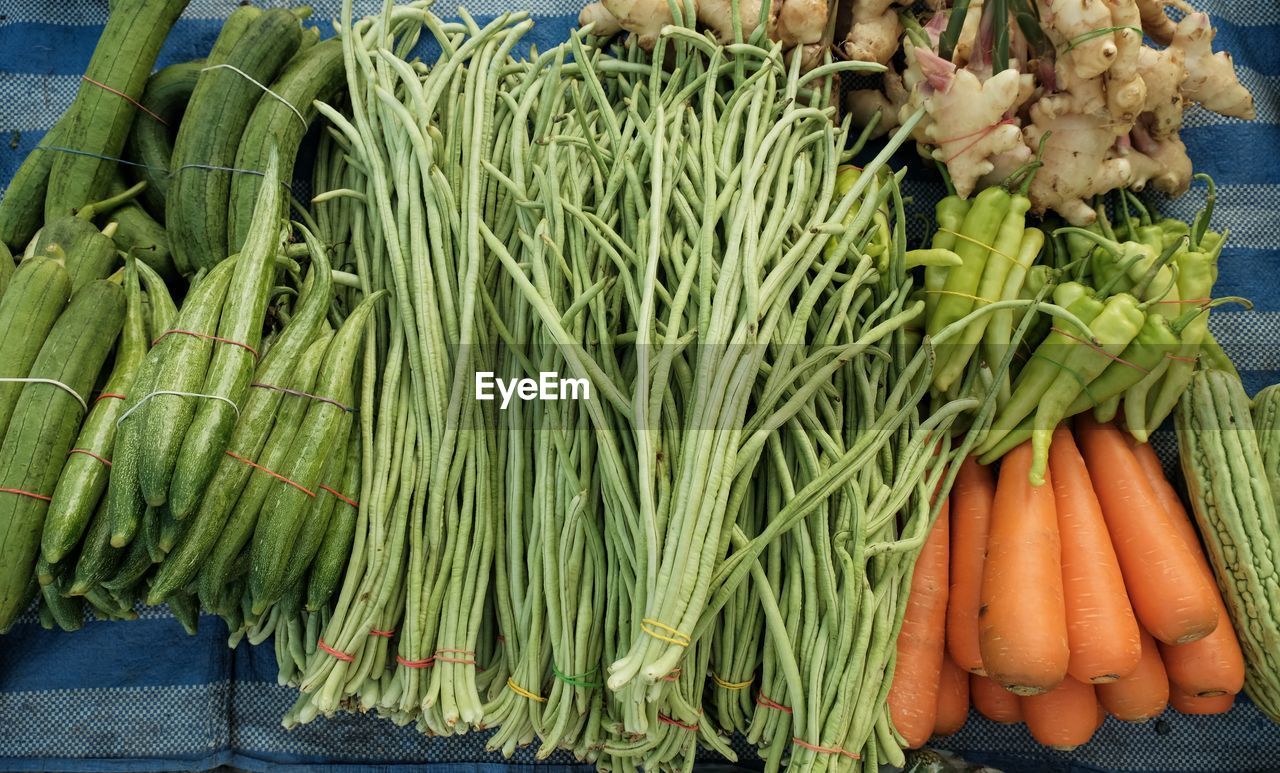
{"type": "Point", "coordinates": [1236, 512]}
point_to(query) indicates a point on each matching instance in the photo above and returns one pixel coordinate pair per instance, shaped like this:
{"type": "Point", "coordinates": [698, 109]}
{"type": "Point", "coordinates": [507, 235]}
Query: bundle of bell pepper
{"type": "Point", "coordinates": [1141, 283]}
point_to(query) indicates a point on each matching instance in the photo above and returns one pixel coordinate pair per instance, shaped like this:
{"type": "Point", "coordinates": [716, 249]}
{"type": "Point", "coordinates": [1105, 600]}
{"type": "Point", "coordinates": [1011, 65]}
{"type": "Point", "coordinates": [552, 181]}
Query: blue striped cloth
{"type": "Point", "coordinates": [144, 696]}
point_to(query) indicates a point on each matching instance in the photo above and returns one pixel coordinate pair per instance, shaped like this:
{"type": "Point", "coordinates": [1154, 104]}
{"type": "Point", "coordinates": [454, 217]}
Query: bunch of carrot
{"type": "Point", "coordinates": [1059, 604]}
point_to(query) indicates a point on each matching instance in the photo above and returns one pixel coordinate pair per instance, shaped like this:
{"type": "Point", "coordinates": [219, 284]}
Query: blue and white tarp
{"type": "Point", "coordinates": [144, 696]}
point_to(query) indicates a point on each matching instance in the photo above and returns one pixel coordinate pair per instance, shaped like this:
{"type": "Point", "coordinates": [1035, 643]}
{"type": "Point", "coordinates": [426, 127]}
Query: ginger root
{"type": "Point", "coordinates": [1126, 89]}
{"type": "Point", "coordinates": [1076, 25]}
{"type": "Point", "coordinates": [969, 128]}
{"type": "Point", "coordinates": [1154, 21]}
{"type": "Point", "coordinates": [606, 24]}
{"type": "Point", "coordinates": [643, 18]}
{"type": "Point", "coordinates": [1163, 72]}
{"type": "Point", "coordinates": [1211, 78]}
{"type": "Point", "coordinates": [717, 16]}
{"type": "Point", "coordinates": [1077, 162]}
{"type": "Point", "coordinates": [1162, 163]}
{"type": "Point", "coordinates": [873, 36]}
{"type": "Point", "coordinates": [801, 23]}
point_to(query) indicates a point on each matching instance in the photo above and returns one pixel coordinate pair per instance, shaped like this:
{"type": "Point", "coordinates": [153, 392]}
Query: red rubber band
{"type": "Point", "coordinates": [825, 749]}
{"type": "Point", "coordinates": [300, 393]}
{"type": "Point", "coordinates": [1099, 350]}
{"type": "Point", "coordinates": [383, 634]}
{"type": "Point", "coordinates": [676, 723]}
{"type": "Point", "coordinates": [213, 338]}
{"type": "Point", "coordinates": [1188, 300]}
{"type": "Point", "coordinates": [20, 492]}
{"type": "Point", "coordinates": [89, 453]}
{"type": "Point", "coordinates": [1192, 360]}
{"type": "Point", "coordinates": [982, 136]}
{"type": "Point", "coordinates": [342, 497]}
{"type": "Point", "coordinates": [112, 395]}
{"type": "Point", "coordinates": [340, 655]}
{"type": "Point", "coordinates": [125, 97]}
{"type": "Point", "coordinates": [974, 133]}
{"type": "Point", "coordinates": [273, 474]}
{"type": "Point", "coordinates": [415, 663]}
{"type": "Point", "coordinates": [769, 703]}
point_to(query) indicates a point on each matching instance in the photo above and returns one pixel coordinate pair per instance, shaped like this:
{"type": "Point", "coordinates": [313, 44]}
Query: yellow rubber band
{"type": "Point", "coordinates": [518, 690]}
{"type": "Point", "coordinates": [731, 685]}
{"type": "Point", "coordinates": [677, 638]}
{"type": "Point", "coordinates": [959, 295]}
{"type": "Point", "coordinates": [987, 247]}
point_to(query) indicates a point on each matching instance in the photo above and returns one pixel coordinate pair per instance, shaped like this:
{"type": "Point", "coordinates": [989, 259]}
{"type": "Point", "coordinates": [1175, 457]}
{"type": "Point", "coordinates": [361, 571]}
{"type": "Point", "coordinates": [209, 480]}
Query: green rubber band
{"type": "Point", "coordinates": [576, 680]}
{"type": "Point", "coordinates": [1084, 386]}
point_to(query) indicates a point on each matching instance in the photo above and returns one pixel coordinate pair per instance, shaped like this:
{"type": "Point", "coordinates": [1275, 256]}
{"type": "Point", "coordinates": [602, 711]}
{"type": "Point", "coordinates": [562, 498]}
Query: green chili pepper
{"type": "Point", "coordinates": [1146, 352]}
{"type": "Point", "coordinates": [1213, 357]}
{"type": "Point", "coordinates": [950, 214]}
{"type": "Point", "coordinates": [1005, 252]}
{"type": "Point", "coordinates": [1043, 369]}
{"type": "Point", "coordinates": [1119, 322]}
{"type": "Point", "coordinates": [1197, 273]}
{"type": "Point", "coordinates": [1021, 282]}
{"type": "Point", "coordinates": [977, 235]}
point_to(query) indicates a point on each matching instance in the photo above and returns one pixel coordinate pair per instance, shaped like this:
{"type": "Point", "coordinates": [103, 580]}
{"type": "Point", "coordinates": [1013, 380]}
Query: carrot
{"type": "Point", "coordinates": [1023, 621]}
{"type": "Point", "coordinates": [1142, 695]}
{"type": "Point", "coordinates": [1170, 595]}
{"type": "Point", "coordinates": [1214, 665]}
{"type": "Point", "coordinates": [971, 500]}
{"type": "Point", "coordinates": [953, 699]}
{"type": "Point", "coordinates": [993, 701]}
{"type": "Point", "coordinates": [1195, 704]}
{"type": "Point", "coordinates": [1063, 718]}
{"type": "Point", "coordinates": [913, 696]}
{"type": "Point", "coordinates": [1101, 629]}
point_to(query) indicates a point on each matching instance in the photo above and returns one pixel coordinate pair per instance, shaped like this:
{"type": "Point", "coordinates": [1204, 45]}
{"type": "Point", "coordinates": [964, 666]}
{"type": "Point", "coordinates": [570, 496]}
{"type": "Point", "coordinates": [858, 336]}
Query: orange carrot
{"type": "Point", "coordinates": [1213, 665]}
{"type": "Point", "coordinates": [1022, 624]}
{"type": "Point", "coordinates": [993, 701]}
{"type": "Point", "coordinates": [913, 696]}
{"type": "Point", "coordinates": [971, 500]}
{"type": "Point", "coordinates": [1063, 718]}
{"type": "Point", "coordinates": [1101, 629]}
{"type": "Point", "coordinates": [1142, 695]}
{"type": "Point", "coordinates": [953, 699]}
{"type": "Point", "coordinates": [1195, 704]}
{"type": "Point", "coordinates": [1170, 595]}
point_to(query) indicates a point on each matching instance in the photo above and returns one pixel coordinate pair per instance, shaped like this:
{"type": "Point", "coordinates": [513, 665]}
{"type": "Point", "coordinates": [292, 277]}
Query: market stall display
{"type": "Point", "coordinates": [764, 501]}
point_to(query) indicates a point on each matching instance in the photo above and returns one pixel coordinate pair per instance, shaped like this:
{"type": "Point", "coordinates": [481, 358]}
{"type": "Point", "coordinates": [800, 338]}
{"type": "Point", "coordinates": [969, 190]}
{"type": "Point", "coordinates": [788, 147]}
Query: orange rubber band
{"type": "Point", "coordinates": [125, 97]}
{"type": "Point", "coordinates": [20, 492]}
{"type": "Point", "coordinates": [383, 634]}
{"type": "Point", "coordinates": [339, 654]}
{"type": "Point", "coordinates": [272, 473]}
{"type": "Point", "coordinates": [215, 339]}
{"type": "Point", "coordinates": [111, 395]}
{"type": "Point", "coordinates": [676, 723]}
{"type": "Point", "coordinates": [90, 454]}
{"type": "Point", "coordinates": [427, 663]}
{"type": "Point", "coordinates": [342, 497]}
{"type": "Point", "coordinates": [825, 749]}
{"type": "Point", "coordinates": [1192, 360]}
{"type": "Point", "coordinates": [469, 661]}
{"type": "Point", "coordinates": [769, 703]}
